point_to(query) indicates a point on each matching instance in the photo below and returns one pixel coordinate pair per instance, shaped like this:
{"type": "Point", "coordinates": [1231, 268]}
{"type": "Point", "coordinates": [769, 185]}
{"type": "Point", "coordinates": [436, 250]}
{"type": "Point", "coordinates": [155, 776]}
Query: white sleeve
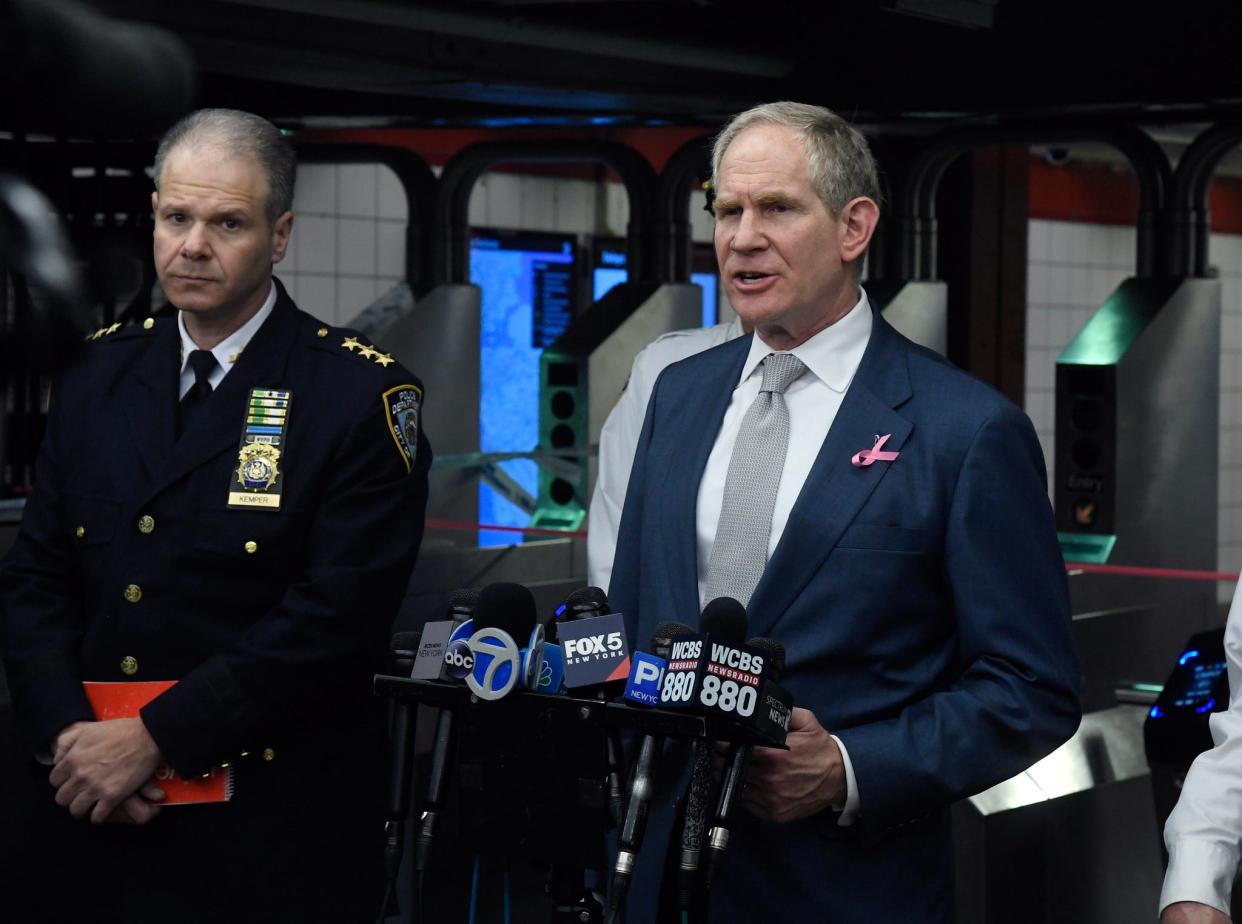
{"type": "Point", "coordinates": [849, 808]}
{"type": "Point", "coordinates": [1205, 828]}
{"type": "Point", "coordinates": [617, 441]}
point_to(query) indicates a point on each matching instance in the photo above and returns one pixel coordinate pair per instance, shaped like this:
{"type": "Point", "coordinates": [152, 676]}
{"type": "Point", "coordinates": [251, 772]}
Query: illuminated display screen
{"type": "Point", "coordinates": [528, 287]}
{"type": "Point", "coordinates": [610, 271]}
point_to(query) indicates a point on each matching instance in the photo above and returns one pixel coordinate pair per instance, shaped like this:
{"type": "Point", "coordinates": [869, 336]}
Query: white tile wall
{"type": "Point", "coordinates": [348, 243]}
{"type": "Point", "coordinates": [1072, 268]}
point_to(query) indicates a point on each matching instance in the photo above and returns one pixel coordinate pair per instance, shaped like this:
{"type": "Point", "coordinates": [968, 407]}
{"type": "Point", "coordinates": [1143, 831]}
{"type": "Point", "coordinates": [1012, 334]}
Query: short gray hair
{"type": "Point", "coordinates": [842, 167]}
{"type": "Point", "coordinates": [242, 133]}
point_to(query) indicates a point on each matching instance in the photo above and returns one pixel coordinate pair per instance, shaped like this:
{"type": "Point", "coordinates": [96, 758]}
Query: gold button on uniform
{"type": "Point", "coordinates": [146, 524]}
{"type": "Point", "coordinates": [252, 546]}
{"type": "Point", "coordinates": [269, 754]}
{"type": "Point", "coordinates": [129, 666]}
{"type": "Point", "coordinates": [133, 593]}
{"type": "Point", "coordinates": [80, 532]}
{"type": "Point", "coordinates": [148, 323]}
{"type": "Point", "coordinates": [322, 332]}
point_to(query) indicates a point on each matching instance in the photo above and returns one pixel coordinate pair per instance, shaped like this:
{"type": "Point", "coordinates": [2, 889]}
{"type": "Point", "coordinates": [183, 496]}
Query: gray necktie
{"type": "Point", "coordinates": [740, 550]}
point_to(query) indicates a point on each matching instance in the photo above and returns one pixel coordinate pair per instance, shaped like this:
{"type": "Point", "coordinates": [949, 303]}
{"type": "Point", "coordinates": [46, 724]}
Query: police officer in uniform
{"type": "Point", "coordinates": [231, 499]}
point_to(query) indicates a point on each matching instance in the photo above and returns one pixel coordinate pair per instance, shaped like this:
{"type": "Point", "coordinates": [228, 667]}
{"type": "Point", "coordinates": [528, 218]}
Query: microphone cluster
{"type": "Point", "coordinates": [493, 642]}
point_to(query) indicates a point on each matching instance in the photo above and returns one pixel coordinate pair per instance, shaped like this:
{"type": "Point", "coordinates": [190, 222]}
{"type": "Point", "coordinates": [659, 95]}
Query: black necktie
{"type": "Point", "coordinates": [203, 363]}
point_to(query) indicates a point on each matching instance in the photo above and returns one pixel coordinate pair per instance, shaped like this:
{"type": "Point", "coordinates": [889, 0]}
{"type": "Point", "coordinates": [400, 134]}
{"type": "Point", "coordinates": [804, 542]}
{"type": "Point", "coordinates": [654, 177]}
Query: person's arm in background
{"type": "Point", "coordinates": [617, 441]}
{"type": "Point", "coordinates": [1205, 827]}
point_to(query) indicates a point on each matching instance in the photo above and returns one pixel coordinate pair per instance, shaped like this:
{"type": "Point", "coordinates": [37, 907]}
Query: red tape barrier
{"type": "Point", "coordinates": [1178, 574]}
{"type": "Point", "coordinates": [531, 530]}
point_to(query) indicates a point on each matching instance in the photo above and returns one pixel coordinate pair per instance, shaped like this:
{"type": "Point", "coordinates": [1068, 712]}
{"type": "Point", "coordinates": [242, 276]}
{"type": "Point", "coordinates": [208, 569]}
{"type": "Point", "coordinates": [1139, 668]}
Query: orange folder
{"type": "Point", "coordinates": [122, 701]}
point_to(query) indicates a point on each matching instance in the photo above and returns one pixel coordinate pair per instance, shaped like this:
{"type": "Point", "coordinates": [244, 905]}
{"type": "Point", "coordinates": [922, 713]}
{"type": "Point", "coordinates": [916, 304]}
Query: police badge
{"type": "Point", "coordinates": [257, 478]}
{"type": "Point", "coordinates": [401, 404]}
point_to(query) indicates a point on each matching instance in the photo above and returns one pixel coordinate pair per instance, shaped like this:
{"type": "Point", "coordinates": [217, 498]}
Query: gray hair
{"type": "Point", "coordinates": [842, 167]}
{"type": "Point", "coordinates": [241, 133]}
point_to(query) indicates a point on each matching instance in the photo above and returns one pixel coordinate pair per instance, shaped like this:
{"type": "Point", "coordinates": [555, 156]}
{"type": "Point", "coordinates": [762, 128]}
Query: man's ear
{"type": "Point", "coordinates": [280, 236]}
{"type": "Point", "coordinates": [858, 219]}
{"type": "Point", "coordinates": [155, 202]}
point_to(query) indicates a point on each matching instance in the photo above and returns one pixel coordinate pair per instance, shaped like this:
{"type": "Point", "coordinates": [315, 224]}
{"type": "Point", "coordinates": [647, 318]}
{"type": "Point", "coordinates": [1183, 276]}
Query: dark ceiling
{"type": "Point", "coordinates": [904, 65]}
{"type": "Point", "coordinates": [900, 62]}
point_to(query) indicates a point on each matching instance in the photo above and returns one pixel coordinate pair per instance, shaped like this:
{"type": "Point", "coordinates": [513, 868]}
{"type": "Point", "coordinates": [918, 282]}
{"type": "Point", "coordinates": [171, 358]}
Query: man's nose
{"type": "Point", "coordinates": [194, 246]}
{"type": "Point", "coordinates": [749, 234]}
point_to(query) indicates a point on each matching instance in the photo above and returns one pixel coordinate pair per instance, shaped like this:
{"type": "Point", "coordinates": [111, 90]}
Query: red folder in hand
{"type": "Point", "coordinates": [122, 701]}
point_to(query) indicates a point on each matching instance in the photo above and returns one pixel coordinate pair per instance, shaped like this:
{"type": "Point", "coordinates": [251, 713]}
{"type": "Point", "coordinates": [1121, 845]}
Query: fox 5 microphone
{"type": "Point", "coordinates": [597, 663]}
{"type": "Point", "coordinates": [739, 758]}
{"type": "Point", "coordinates": [643, 687]}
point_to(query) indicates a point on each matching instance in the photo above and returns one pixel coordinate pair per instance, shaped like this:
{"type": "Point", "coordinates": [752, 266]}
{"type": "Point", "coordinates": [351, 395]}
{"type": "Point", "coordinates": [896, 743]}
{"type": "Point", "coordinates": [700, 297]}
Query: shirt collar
{"type": "Point", "coordinates": [832, 355]}
{"type": "Point", "coordinates": [228, 350]}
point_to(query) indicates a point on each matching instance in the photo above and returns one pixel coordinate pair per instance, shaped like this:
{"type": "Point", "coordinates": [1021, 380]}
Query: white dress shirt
{"type": "Point", "coordinates": [1205, 828]}
{"type": "Point", "coordinates": [227, 351]}
{"type": "Point", "coordinates": [619, 437]}
{"type": "Point", "coordinates": [831, 357]}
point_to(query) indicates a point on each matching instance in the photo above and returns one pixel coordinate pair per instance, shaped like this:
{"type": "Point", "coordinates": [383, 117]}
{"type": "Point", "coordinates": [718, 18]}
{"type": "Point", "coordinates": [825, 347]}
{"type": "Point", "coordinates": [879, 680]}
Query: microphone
{"type": "Point", "coordinates": [597, 663]}
{"type": "Point", "coordinates": [404, 649]}
{"type": "Point", "coordinates": [634, 825]}
{"type": "Point", "coordinates": [431, 663]}
{"type": "Point", "coordinates": [505, 612]}
{"type": "Point", "coordinates": [723, 620]}
{"type": "Point", "coordinates": [739, 759]}
{"type": "Point", "coordinates": [462, 604]}
{"type": "Point", "coordinates": [647, 669]}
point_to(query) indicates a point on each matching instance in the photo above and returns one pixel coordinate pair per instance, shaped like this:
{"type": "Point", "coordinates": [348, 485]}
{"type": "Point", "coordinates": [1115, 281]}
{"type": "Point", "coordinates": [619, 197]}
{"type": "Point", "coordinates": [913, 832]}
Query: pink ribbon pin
{"type": "Point", "coordinates": [867, 456]}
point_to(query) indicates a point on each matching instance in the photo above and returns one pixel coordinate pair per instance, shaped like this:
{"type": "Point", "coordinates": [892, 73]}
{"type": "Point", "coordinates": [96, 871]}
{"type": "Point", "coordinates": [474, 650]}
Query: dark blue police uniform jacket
{"type": "Point", "coordinates": [130, 565]}
{"type": "Point", "coordinates": [923, 606]}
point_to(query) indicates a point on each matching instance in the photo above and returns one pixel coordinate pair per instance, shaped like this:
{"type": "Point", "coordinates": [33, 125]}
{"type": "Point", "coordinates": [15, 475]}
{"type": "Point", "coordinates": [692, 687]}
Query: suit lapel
{"type": "Point", "coordinates": [149, 399]}
{"type": "Point", "coordinates": [696, 424]}
{"type": "Point", "coordinates": [218, 425]}
{"type": "Point", "coordinates": [835, 490]}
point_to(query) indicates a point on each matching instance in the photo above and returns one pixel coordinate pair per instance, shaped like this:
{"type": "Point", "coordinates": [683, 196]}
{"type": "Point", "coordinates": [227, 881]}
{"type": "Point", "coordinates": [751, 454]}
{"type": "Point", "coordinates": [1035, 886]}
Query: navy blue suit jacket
{"type": "Point", "coordinates": [922, 603]}
{"type": "Point", "coordinates": [272, 621]}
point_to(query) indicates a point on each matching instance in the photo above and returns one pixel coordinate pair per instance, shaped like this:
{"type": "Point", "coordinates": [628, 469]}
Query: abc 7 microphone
{"type": "Point", "coordinates": [484, 651]}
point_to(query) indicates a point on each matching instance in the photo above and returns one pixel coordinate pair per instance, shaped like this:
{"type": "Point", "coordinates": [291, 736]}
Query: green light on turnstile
{"type": "Point", "coordinates": [1111, 330]}
{"type": "Point", "coordinates": [1148, 687]}
{"type": "Point", "coordinates": [1088, 548]}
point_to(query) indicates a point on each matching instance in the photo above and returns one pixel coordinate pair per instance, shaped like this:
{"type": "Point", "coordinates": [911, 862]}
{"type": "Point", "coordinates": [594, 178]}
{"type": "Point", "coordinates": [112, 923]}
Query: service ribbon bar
{"type": "Point", "coordinates": [256, 481]}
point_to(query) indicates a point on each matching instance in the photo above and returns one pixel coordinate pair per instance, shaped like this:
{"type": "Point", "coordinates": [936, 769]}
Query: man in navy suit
{"type": "Point", "coordinates": [231, 498]}
{"type": "Point", "coordinates": [904, 551]}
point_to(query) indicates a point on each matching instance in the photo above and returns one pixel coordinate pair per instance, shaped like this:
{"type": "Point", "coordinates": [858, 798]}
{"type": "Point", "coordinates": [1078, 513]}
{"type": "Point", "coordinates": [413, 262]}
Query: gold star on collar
{"type": "Point", "coordinates": [350, 343]}
{"type": "Point", "coordinates": [366, 352]}
{"type": "Point", "coordinates": [383, 359]}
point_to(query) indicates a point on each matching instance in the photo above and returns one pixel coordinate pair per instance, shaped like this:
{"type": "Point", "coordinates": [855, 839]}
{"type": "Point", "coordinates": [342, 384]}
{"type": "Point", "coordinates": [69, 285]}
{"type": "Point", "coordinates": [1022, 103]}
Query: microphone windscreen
{"type": "Point", "coordinates": [406, 641]}
{"type": "Point", "coordinates": [588, 599]}
{"type": "Point", "coordinates": [725, 619]}
{"type": "Point", "coordinates": [508, 607]}
{"type": "Point", "coordinates": [667, 630]}
{"type": "Point", "coordinates": [775, 653]}
{"type": "Point", "coordinates": [466, 598]}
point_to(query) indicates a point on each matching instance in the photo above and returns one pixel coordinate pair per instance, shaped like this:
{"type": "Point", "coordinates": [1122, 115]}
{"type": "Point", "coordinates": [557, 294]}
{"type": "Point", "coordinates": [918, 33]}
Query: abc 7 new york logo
{"type": "Point", "coordinates": [490, 663]}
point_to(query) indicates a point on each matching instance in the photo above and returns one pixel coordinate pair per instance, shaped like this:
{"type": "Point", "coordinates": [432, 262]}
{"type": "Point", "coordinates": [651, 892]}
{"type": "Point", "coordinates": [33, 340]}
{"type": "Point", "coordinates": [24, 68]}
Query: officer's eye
{"type": "Point", "coordinates": [176, 217]}
{"type": "Point", "coordinates": [231, 224]}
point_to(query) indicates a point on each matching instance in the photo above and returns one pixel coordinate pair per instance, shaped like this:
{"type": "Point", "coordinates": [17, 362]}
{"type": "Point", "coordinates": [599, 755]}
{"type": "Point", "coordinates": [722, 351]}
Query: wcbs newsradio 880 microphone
{"type": "Point", "coordinates": [776, 709]}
